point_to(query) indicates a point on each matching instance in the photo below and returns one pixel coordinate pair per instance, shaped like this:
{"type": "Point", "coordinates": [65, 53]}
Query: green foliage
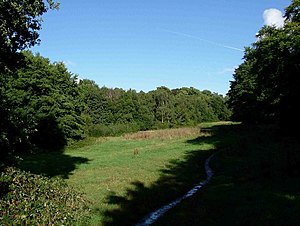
{"type": "Point", "coordinates": [164, 105]}
{"type": "Point", "coordinates": [242, 94]}
{"type": "Point", "coordinates": [28, 199]}
{"type": "Point", "coordinates": [116, 111]}
{"type": "Point", "coordinates": [20, 22]}
{"type": "Point", "coordinates": [266, 85]}
{"type": "Point", "coordinates": [292, 12]}
{"type": "Point", "coordinates": [99, 130]}
{"type": "Point", "coordinates": [46, 104]}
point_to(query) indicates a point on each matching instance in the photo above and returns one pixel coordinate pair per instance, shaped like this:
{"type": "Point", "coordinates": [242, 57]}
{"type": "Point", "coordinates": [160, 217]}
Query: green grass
{"type": "Point", "coordinates": [256, 179]}
{"type": "Point", "coordinates": [126, 177]}
{"type": "Point", "coordinates": [118, 167]}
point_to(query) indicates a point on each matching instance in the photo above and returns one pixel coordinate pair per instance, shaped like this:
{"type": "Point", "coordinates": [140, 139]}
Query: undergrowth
{"type": "Point", "coordinates": [29, 199]}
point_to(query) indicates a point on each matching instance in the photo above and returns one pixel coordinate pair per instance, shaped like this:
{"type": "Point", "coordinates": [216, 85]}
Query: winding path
{"type": "Point", "coordinates": [154, 216]}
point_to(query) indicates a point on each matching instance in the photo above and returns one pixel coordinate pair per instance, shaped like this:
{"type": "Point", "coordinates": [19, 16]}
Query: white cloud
{"type": "Point", "coordinates": [273, 17]}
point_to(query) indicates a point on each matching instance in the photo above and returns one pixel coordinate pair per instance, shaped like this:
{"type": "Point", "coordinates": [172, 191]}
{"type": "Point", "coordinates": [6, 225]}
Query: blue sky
{"type": "Point", "coordinates": [144, 44]}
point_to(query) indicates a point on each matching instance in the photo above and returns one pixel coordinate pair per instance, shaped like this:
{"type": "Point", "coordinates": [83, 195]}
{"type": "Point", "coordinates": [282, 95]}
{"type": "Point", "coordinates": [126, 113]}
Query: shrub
{"type": "Point", "coordinates": [99, 130]}
{"type": "Point", "coordinates": [29, 199]}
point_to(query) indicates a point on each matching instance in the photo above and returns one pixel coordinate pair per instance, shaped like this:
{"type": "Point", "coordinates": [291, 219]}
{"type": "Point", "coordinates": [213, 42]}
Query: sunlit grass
{"type": "Point", "coordinates": [115, 163]}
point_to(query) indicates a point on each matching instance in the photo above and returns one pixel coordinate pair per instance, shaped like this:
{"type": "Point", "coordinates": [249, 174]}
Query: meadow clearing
{"type": "Point", "coordinates": [124, 178]}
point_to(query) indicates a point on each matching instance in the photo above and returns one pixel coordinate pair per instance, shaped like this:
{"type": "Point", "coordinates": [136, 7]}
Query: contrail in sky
{"type": "Point", "coordinates": [204, 40]}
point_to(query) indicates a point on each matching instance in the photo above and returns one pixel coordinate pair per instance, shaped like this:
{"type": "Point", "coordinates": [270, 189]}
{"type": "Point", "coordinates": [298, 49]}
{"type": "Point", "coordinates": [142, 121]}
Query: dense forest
{"type": "Point", "coordinates": [114, 111]}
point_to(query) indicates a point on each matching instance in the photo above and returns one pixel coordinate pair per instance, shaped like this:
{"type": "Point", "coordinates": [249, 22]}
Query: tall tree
{"type": "Point", "coordinates": [20, 21]}
{"type": "Point", "coordinates": [164, 104]}
{"type": "Point", "coordinates": [96, 103]}
{"type": "Point", "coordinates": [266, 86]}
{"type": "Point", "coordinates": [47, 103]}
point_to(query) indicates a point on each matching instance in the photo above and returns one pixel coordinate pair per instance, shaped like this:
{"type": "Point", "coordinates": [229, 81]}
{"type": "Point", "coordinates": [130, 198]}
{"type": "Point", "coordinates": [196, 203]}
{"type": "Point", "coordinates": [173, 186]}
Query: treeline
{"type": "Point", "coordinates": [115, 111]}
{"type": "Point", "coordinates": [266, 85]}
{"type": "Point", "coordinates": [44, 107]}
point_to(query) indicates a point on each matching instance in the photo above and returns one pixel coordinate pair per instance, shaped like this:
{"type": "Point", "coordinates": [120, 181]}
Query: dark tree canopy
{"type": "Point", "coordinates": [266, 85]}
{"type": "Point", "coordinates": [20, 22]}
{"type": "Point", "coordinates": [45, 103]}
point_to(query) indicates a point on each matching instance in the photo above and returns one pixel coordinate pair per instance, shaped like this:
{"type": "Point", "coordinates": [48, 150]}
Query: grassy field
{"type": "Point", "coordinates": [256, 180]}
{"type": "Point", "coordinates": [126, 177]}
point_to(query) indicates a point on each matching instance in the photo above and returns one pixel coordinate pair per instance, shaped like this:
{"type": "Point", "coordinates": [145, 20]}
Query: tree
{"type": "Point", "coordinates": [266, 86]}
{"type": "Point", "coordinates": [47, 106]}
{"type": "Point", "coordinates": [146, 116]}
{"type": "Point", "coordinates": [20, 21]}
{"type": "Point", "coordinates": [292, 12]}
{"type": "Point", "coordinates": [218, 104]}
{"type": "Point", "coordinates": [164, 104]}
{"type": "Point", "coordinates": [95, 101]}
{"type": "Point", "coordinates": [116, 111]}
{"type": "Point", "coordinates": [242, 94]}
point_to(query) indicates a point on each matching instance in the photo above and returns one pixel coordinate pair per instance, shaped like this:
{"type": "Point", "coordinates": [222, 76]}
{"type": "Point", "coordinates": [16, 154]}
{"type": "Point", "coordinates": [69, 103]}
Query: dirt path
{"type": "Point", "coordinates": [154, 216]}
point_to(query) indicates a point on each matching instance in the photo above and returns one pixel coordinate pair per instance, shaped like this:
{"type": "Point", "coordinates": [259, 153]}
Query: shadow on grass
{"type": "Point", "coordinates": [51, 164]}
{"type": "Point", "coordinates": [251, 185]}
{"type": "Point", "coordinates": [177, 178]}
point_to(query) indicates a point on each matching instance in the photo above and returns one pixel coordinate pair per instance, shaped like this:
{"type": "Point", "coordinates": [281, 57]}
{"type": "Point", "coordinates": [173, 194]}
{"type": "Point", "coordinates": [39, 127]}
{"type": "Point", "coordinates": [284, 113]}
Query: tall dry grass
{"type": "Point", "coordinates": [164, 134]}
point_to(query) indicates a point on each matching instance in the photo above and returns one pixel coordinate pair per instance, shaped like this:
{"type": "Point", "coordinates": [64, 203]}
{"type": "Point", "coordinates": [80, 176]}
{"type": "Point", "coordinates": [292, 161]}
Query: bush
{"type": "Point", "coordinates": [29, 199]}
{"type": "Point", "coordinates": [99, 130]}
